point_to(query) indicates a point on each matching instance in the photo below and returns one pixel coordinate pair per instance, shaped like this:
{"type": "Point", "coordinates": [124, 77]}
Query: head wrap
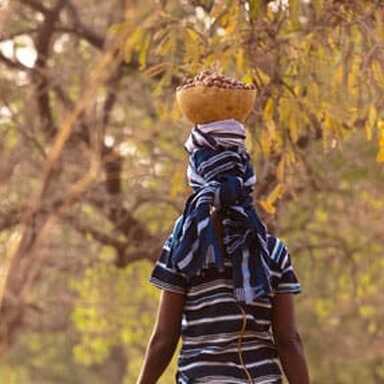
{"type": "Point", "coordinates": [221, 175]}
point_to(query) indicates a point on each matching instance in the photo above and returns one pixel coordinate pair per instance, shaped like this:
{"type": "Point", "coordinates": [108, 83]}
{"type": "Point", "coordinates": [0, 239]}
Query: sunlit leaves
{"type": "Point", "coordinates": [294, 13]}
{"type": "Point", "coordinates": [380, 155]}
{"type": "Point", "coordinates": [329, 67]}
{"type": "Point", "coordinates": [319, 71]}
{"type": "Point", "coordinates": [255, 8]}
{"type": "Point", "coordinates": [315, 77]}
{"type": "Point", "coordinates": [336, 235]}
{"type": "Point", "coordinates": [323, 307]}
{"type": "Point", "coordinates": [370, 121]}
{"type": "Point", "coordinates": [194, 47]}
{"type": "Point", "coordinates": [269, 202]}
{"type": "Point", "coordinates": [115, 306]}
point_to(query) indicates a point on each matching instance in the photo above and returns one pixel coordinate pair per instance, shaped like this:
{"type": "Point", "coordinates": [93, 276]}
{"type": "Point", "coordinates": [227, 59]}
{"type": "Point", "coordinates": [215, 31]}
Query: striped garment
{"type": "Point", "coordinates": [228, 294]}
{"type": "Point", "coordinates": [212, 320]}
{"type": "Point", "coordinates": [221, 175]}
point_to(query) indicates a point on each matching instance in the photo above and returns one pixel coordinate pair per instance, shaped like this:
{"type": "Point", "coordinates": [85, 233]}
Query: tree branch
{"type": "Point", "coordinates": [35, 5]}
{"type": "Point", "coordinates": [43, 43]}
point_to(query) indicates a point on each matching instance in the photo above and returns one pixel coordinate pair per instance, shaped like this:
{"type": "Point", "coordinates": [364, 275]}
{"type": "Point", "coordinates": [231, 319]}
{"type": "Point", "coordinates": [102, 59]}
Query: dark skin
{"type": "Point", "coordinates": [166, 334]}
{"type": "Point", "coordinates": [288, 340]}
{"type": "Point", "coordinates": [164, 338]}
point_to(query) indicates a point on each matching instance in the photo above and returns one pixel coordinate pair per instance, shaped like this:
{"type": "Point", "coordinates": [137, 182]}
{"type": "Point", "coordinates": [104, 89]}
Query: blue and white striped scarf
{"type": "Point", "coordinates": [221, 175]}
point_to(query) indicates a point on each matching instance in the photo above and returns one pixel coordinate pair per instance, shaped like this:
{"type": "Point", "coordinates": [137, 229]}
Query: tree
{"type": "Point", "coordinates": [93, 138]}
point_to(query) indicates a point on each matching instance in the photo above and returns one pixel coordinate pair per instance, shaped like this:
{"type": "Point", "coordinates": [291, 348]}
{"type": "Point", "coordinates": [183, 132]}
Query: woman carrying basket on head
{"type": "Point", "coordinates": [227, 283]}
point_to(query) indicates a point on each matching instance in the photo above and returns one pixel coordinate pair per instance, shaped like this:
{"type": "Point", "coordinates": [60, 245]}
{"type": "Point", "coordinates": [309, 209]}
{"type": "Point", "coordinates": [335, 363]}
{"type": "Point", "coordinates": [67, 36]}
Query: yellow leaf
{"type": "Point", "coordinates": [193, 47]}
{"type": "Point", "coordinates": [233, 19]}
{"type": "Point", "coordinates": [143, 51]}
{"type": "Point", "coordinates": [271, 128]}
{"type": "Point", "coordinates": [247, 78]}
{"type": "Point", "coordinates": [370, 123]}
{"type": "Point", "coordinates": [380, 155]}
{"type": "Point", "coordinates": [321, 215]}
{"type": "Point", "coordinates": [255, 7]}
{"type": "Point", "coordinates": [268, 110]}
{"type": "Point", "coordinates": [277, 193]}
{"type": "Point", "coordinates": [322, 307]}
{"type": "Point", "coordinates": [294, 12]}
{"type": "Point", "coordinates": [353, 75]}
{"type": "Point", "coordinates": [268, 207]}
{"type": "Point", "coordinates": [291, 116]}
{"type": "Point", "coordinates": [367, 311]}
{"type": "Point", "coordinates": [339, 75]}
{"type": "Point", "coordinates": [132, 43]}
{"type": "Point", "coordinates": [266, 142]}
{"type": "Point", "coordinates": [328, 127]}
{"type": "Point", "coordinates": [294, 128]}
{"type": "Point", "coordinates": [277, 141]}
{"type": "Point", "coordinates": [378, 72]}
{"type": "Point", "coordinates": [192, 34]}
{"type": "Point", "coordinates": [290, 156]}
{"type": "Point", "coordinates": [240, 60]}
{"type": "Point", "coordinates": [269, 203]}
{"type": "Point", "coordinates": [318, 6]}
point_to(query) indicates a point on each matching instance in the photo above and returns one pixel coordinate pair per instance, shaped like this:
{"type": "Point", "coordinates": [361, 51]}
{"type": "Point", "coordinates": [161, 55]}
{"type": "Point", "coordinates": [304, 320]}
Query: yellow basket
{"type": "Point", "coordinates": [202, 104]}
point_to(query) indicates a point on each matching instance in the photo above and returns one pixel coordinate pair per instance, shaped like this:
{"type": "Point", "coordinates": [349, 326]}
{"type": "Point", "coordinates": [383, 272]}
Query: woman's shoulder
{"type": "Point", "coordinates": [277, 248]}
{"type": "Point", "coordinates": [281, 262]}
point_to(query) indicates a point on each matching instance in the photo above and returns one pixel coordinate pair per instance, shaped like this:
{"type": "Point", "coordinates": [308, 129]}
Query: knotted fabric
{"type": "Point", "coordinates": [221, 175]}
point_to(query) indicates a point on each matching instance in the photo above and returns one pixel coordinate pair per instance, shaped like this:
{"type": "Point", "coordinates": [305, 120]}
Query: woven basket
{"type": "Point", "coordinates": [202, 104]}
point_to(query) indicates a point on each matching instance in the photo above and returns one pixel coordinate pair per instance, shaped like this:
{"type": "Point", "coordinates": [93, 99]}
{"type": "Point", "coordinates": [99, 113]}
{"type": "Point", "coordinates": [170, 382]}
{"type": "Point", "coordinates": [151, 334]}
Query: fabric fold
{"type": "Point", "coordinates": [221, 175]}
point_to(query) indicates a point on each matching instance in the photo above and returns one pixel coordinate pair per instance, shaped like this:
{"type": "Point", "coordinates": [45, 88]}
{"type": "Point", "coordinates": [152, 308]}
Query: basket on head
{"type": "Point", "coordinates": [203, 104]}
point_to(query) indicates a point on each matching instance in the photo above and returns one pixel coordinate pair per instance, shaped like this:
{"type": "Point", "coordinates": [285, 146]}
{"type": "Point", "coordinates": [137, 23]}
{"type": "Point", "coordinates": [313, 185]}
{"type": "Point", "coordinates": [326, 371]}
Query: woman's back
{"type": "Point", "coordinates": [213, 322]}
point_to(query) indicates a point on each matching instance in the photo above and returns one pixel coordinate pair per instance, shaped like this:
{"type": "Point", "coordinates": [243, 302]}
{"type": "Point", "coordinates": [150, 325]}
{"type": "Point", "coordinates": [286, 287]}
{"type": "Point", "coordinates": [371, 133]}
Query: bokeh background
{"type": "Point", "coordinates": [93, 172]}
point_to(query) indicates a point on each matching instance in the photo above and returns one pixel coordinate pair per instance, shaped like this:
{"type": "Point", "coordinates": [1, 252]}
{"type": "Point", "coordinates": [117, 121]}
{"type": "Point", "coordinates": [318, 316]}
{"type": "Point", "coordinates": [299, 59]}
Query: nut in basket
{"type": "Point", "coordinates": [210, 96]}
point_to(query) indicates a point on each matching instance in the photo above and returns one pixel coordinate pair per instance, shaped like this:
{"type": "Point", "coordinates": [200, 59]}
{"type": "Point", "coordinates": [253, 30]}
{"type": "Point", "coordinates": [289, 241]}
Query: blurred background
{"type": "Point", "coordinates": [93, 172]}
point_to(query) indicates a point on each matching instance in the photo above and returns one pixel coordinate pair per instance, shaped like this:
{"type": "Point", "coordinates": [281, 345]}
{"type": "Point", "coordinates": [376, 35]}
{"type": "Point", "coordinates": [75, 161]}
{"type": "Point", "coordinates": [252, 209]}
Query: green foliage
{"type": "Point", "coordinates": [335, 239]}
{"type": "Point", "coordinates": [114, 307]}
{"type": "Point", "coordinates": [321, 71]}
{"type": "Point", "coordinates": [46, 358]}
{"type": "Point", "coordinates": [316, 135]}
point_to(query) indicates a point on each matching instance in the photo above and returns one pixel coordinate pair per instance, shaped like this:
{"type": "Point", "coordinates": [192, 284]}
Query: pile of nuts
{"type": "Point", "coordinates": [210, 78]}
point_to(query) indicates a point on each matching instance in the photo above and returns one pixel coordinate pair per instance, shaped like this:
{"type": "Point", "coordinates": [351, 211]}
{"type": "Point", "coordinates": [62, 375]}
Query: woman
{"type": "Point", "coordinates": [227, 284]}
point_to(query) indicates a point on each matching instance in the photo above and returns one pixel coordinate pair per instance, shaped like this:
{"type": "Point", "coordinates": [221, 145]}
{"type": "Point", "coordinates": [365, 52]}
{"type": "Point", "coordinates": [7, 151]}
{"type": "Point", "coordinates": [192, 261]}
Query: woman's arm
{"type": "Point", "coordinates": [165, 336]}
{"type": "Point", "coordinates": [288, 340]}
